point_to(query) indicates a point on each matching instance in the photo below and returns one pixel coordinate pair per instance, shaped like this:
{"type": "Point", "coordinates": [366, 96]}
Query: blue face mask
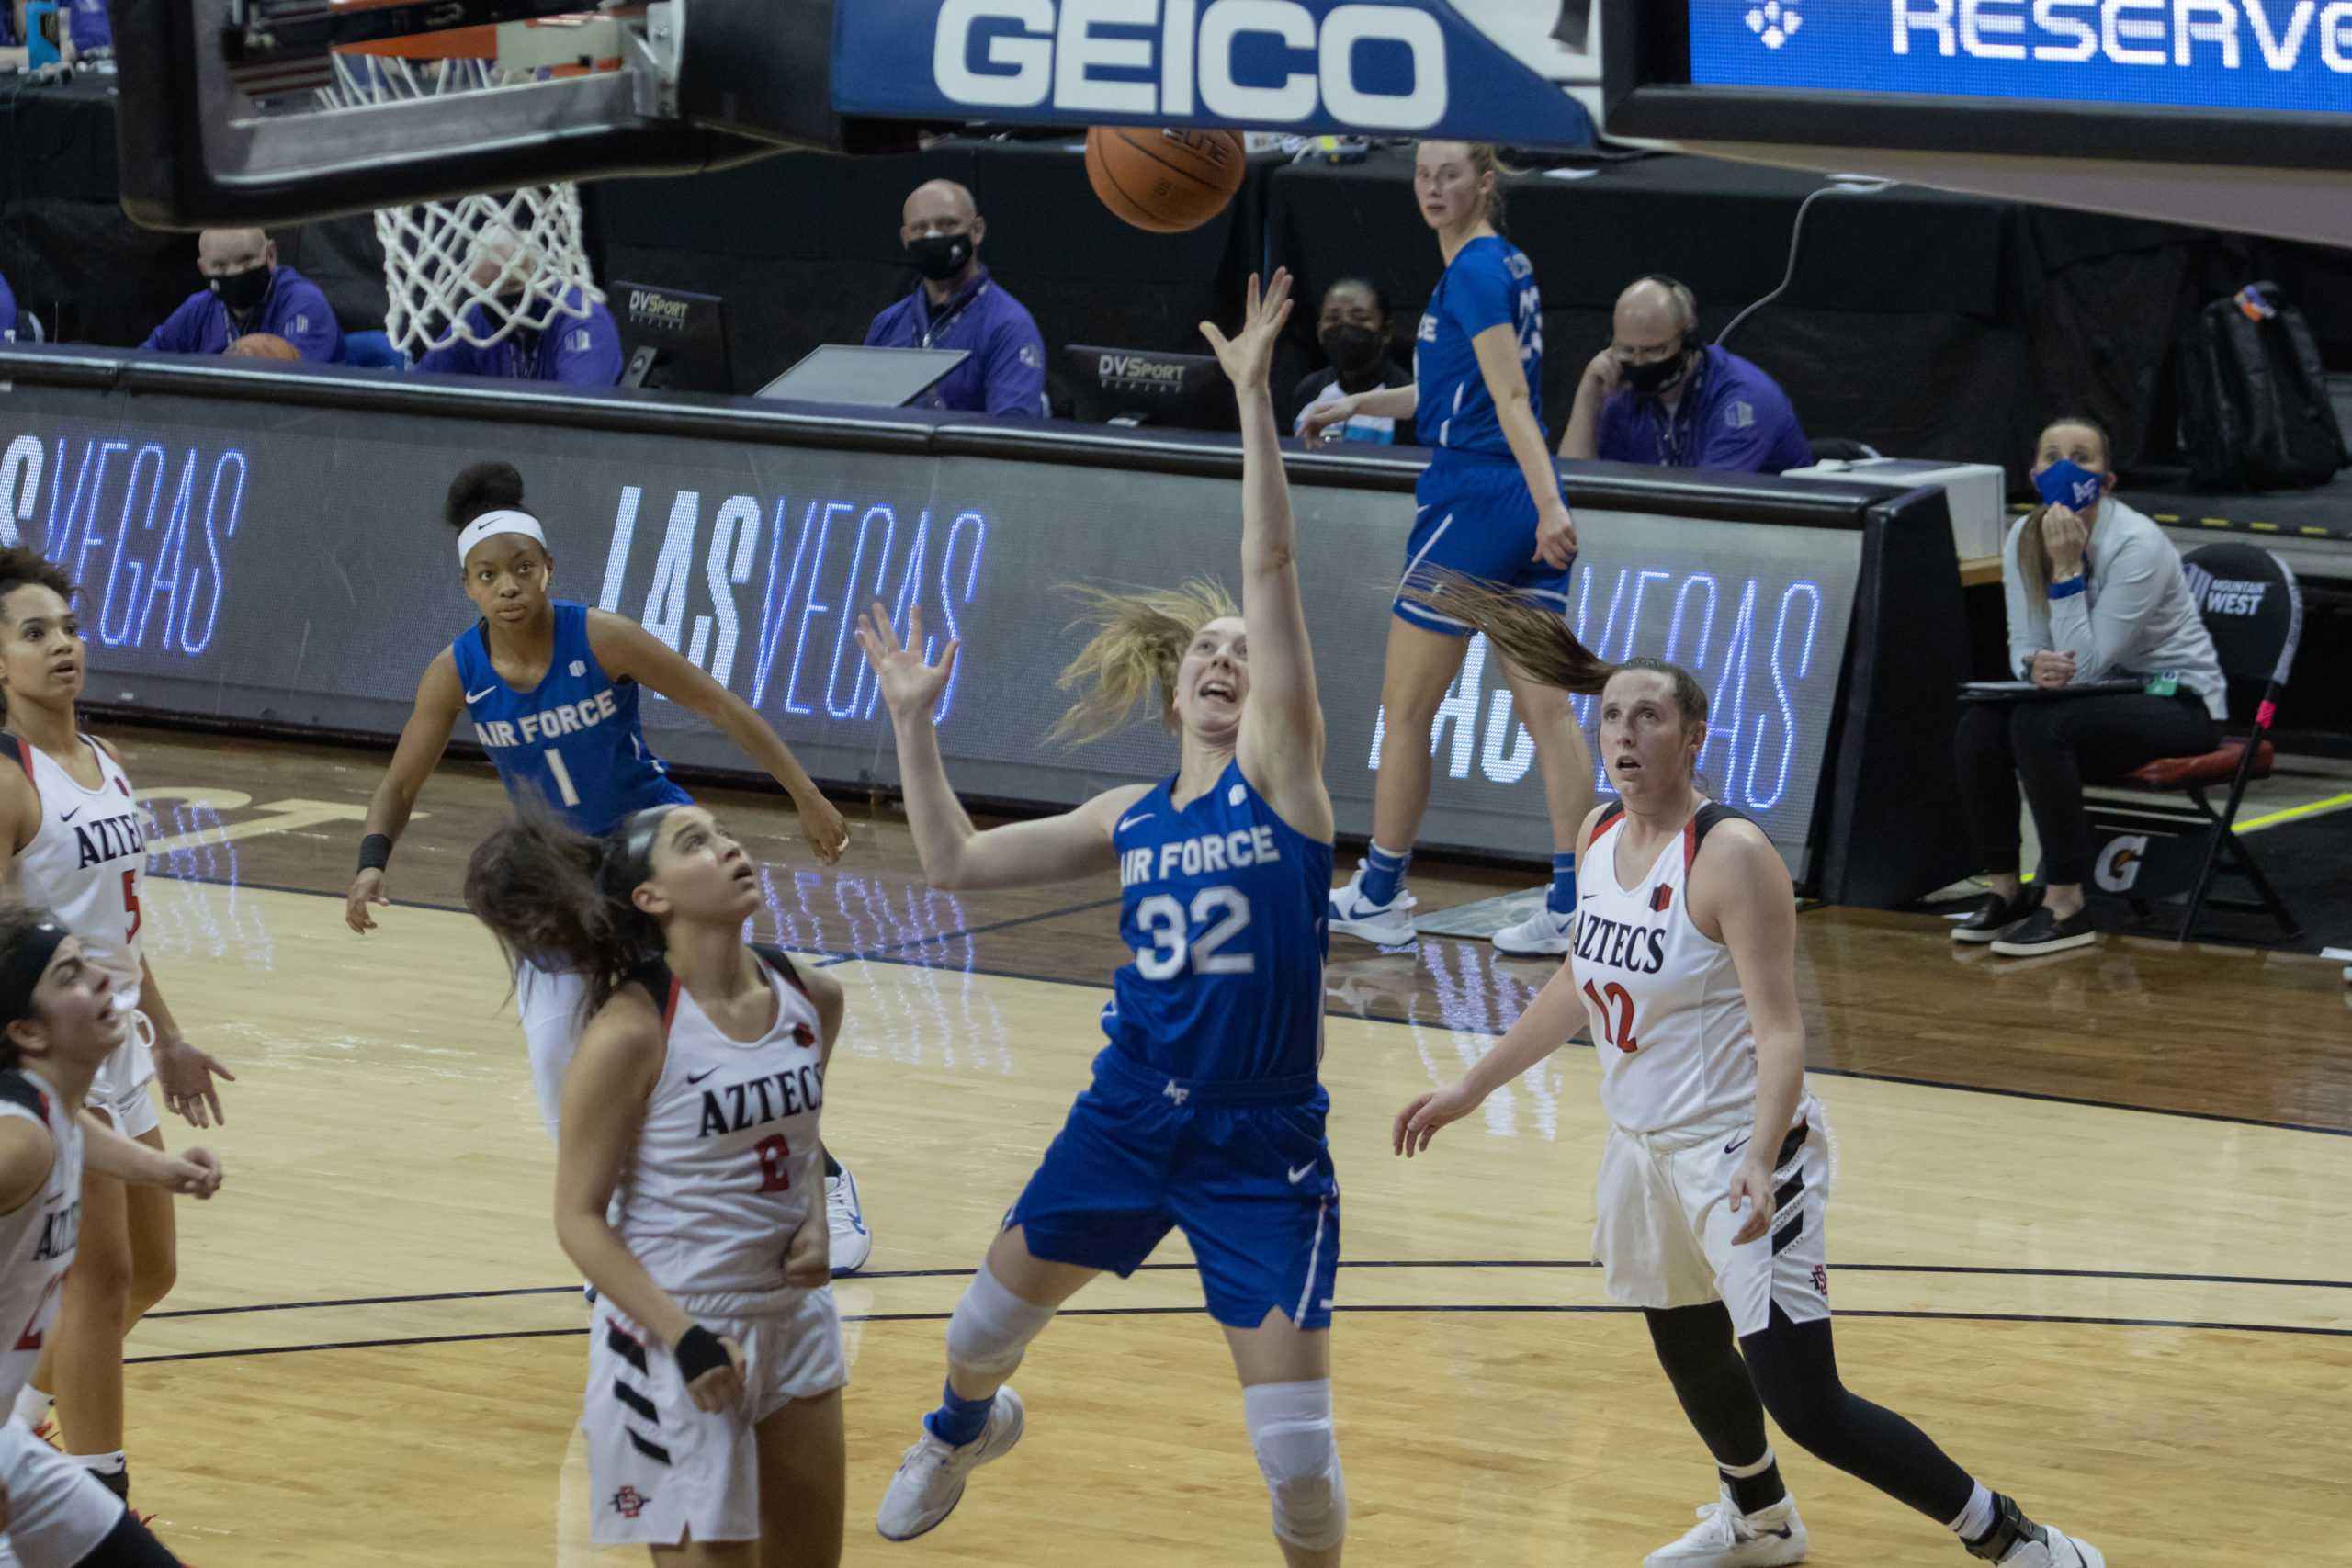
{"type": "Point", "coordinates": [2068, 483]}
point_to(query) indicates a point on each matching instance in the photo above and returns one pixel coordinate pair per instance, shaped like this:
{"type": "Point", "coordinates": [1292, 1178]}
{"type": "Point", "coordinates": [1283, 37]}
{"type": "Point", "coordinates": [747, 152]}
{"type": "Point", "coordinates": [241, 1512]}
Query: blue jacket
{"type": "Point", "coordinates": [571, 353]}
{"type": "Point", "coordinates": [1005, 375]}
{"type": "Point", "coordinates": [7, 313]}
{"type": "Point", "coordinates": [294, 309]}
{"type": "Point", "coordinates": [1735, 419]}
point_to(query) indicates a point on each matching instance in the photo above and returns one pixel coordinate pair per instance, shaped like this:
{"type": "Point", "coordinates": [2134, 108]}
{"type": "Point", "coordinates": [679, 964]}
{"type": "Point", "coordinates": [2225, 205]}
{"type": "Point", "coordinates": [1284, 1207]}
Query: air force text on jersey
{"type": "Point", "coordinates": [1199, 855]}
{"type": "Point", "coordinates": [564, 719]}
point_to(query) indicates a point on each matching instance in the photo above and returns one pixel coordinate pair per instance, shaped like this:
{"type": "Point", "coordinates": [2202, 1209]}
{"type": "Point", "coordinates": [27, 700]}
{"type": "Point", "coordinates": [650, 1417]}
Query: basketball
{"type": "Point", "coordinates": [263, 345]}
{"type": "Point", "coordinates": [1164, 181]}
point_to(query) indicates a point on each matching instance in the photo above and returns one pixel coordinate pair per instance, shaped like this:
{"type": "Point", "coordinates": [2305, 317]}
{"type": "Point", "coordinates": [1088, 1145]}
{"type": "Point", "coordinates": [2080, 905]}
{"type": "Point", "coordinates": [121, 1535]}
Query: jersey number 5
{"type": "Point", "coordinates": [1164, 919]}
{"type": "Point", "coordinates": [1619, 1029]}
{"type": "Point", "coordinates": [773, 1152]}
{"type": "Point", "coordinates": [131, 905]}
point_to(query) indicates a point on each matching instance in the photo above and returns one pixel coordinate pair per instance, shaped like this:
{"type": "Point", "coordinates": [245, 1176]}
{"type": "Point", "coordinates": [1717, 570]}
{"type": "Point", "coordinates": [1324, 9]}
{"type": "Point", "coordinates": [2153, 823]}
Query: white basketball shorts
{"type": "Point", "coordinates": [658, 1466]}
{"type": "Point", "coordinates": [58, 1513]}
{"type": "Point", "coordinates": [548, 1002]}
{"type": "Point", "coordinates": [119, 1091]}
{"type": "Point", "coordinates": [1663, 1224]}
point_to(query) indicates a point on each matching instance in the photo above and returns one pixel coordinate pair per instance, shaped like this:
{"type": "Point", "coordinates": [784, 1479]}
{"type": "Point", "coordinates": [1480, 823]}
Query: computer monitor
{"type": "Point", "coordinates": [864, 377]}
{"type": "Point", "coordinates": [1131, 385]}
{"type": "Point", "coordinates": [672, 339]}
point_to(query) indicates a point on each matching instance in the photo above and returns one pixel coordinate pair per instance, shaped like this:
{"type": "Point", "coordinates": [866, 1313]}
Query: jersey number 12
{"type": "Point", "coordinates": [1619, 1027]}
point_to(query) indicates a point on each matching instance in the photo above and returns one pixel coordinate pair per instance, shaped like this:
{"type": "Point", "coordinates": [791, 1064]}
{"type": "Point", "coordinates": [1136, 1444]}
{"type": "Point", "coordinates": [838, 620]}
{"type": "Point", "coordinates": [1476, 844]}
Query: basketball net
{"type": "Point", "coordinates": [479, 269]}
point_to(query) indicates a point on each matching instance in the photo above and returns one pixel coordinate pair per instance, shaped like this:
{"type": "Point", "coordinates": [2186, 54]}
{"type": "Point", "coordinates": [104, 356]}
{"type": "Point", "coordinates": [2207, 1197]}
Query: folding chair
{"type": "Point", "coordinates": [2254, 610]}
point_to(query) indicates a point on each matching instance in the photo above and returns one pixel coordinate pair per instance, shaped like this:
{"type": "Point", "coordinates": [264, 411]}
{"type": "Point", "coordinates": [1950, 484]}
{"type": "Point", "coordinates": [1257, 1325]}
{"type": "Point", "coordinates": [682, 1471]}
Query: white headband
{"type": "Point", "coordinates": [494, 523]}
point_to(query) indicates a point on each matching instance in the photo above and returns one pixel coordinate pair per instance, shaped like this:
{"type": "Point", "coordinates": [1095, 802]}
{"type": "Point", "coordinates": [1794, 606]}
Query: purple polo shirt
{"type": "Point", "coordinates": [571, 353]}
{"type": "Point", "coordinates": [7, 313]}
{"type": "Point", "coordinates": [294, 309]}
{"type": "Point", "coordinates": [1005, 375]}
{"type": "Point", "coordinates": [1735, 420]}
{"type": "Point", "coordinates": [92, 28]}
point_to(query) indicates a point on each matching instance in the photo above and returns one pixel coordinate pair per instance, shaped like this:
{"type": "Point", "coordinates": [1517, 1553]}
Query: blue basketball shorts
{"type": "Point", "coordinates": [1476, 517]}
{"type": "Point", "coordinates": [1240, 1168]}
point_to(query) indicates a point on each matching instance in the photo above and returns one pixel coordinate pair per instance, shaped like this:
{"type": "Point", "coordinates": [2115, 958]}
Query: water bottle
{"type": "Point", "coordinates": [43, 22]}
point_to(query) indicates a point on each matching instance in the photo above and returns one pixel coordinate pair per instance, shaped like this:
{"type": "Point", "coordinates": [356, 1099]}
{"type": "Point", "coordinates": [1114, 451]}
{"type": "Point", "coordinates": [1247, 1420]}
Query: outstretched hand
{"type": "Point", "coordinates": [1249, 356]}
{"type": "Point", "coordinates": [909, 685]}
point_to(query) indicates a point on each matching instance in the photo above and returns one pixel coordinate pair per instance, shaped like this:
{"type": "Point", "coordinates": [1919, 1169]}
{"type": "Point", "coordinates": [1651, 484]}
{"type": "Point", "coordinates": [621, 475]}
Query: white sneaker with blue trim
{"type": "Point", "coordinates": [852, 1243]}
{"type": "Point", "coordinates": [1388, 925]}
{"type": "Point", "coordinates": [1543, 934]}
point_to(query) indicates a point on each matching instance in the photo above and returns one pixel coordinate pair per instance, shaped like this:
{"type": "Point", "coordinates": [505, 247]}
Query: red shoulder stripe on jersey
{"type": "Point", "coordinates": [1689, 844]}
{"type": "Point", "coordinates": [670, 1007]}
{"type": "Point", "coordinates": [24, 757]}
{"type": "Point", "coordinates": [1608, 818]}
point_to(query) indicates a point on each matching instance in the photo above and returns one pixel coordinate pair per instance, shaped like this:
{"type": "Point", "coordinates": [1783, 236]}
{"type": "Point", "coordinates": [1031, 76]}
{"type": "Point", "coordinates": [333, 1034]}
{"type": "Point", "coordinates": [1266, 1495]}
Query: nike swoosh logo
{"type": "Point", "coordinates": [1300, 1174]}
{"type": "Point", "coordinates": [1737, 1144]}
{"type": "Point", "coordinates": [69, 815]}
{"type": "Point", "coordinates": [698, 1078]}
{"type": "Point", "coordinates": [477, 697]}
{"type": "Point", "coordinates": [1139, 816]}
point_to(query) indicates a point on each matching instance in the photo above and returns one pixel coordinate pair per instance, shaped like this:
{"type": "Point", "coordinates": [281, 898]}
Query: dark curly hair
{"type": "Point", "coordinates": [560, 899]}
{"type": "Point", "coordinates": [25, 567]}
{"type": "Point", "coordinates": [483, 487]}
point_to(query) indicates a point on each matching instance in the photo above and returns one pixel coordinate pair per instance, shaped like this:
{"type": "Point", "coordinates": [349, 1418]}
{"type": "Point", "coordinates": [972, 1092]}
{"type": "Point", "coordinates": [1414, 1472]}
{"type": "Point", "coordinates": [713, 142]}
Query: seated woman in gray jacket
{"type": "Point", "coordinates": [2096, 594]}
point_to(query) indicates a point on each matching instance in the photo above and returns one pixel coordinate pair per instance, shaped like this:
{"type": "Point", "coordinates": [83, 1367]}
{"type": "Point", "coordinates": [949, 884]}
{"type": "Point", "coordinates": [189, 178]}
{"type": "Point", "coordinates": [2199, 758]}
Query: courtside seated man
{"type": "Point", "coordinates": [958, 305]}
{"type": "Point", "coordinates": [246, 290]}
{"type": "Point", "coordinates": [1658, 395]}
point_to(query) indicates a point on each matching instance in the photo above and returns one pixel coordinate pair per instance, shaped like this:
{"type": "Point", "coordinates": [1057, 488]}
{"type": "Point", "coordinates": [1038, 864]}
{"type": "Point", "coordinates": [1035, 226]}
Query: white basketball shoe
{"type": "Point", "coordinates": [849, 1244]}
{"type": "Point", "coordinates": [1388, 925]}
{"type": "Point", "coordinates": [1543, 934]}
{"type": "Point", "coordinates": [1725, 1538]}
{"type": "Point", "coordinates": [2055, 1550]}
{"type": "Point", "coordinates": [930, 1481]}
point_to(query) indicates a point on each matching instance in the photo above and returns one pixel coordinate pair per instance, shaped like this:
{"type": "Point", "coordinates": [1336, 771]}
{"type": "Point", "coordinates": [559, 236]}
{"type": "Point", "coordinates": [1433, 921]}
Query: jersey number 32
{"type": "Point", "coordinates": [1168, 924]}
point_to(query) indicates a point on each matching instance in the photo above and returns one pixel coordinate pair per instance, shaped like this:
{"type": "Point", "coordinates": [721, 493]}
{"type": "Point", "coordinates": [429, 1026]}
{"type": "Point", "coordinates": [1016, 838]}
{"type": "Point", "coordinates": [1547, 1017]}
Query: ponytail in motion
{"type": "Point", "coordinates": [560, 899]}
{"type": "Point", "coordinates": [1139, 639]}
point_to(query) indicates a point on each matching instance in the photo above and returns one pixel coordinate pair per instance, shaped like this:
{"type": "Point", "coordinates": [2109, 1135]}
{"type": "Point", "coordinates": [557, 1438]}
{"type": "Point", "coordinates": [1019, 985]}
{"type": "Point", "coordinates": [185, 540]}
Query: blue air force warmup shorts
{"type": "Point", "coordinates": [1240, 1168]}
{"type": "Point", "coordinates": [1476, 517]}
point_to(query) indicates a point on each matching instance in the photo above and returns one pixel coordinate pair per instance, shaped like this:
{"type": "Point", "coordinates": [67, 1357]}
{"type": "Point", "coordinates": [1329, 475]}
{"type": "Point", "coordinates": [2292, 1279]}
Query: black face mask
{"type": "Point", "coordinates": [242, 291]}
{"type": "Point", "coordinates": [1352, 349]}
{"type": "Point", "coordinates": [940, 256]}
{"type": "Point", "coordinates": [1659, 375]}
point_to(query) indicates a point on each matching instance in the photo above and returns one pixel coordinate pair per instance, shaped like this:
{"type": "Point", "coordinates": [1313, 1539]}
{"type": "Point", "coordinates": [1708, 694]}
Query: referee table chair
{"type": "Point", "coordinates": [2158, 830]}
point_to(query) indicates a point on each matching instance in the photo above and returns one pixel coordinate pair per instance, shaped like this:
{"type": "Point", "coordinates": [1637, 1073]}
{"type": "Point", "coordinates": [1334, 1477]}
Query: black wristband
{"type": "Point", "coordinates": [375, 852]}
{"type": "Point", "coordinates": [699, 1351]}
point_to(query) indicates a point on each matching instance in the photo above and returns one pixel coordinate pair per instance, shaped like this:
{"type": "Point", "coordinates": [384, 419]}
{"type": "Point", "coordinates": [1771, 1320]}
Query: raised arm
{"type": "Point", "coordinates": [2114, 634]}
{"type": "Point", "coordinates": [1281, 724]}
{"type": "Point", "coordinates": [955, 853]}
{"type": "Point", "coordinates": [627, 651]}
{"type": "Point", "coordinates": [440, 698]}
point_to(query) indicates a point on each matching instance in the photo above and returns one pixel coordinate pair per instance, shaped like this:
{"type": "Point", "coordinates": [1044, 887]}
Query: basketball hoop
{"type": "Point", "coordinates": [476, 268]}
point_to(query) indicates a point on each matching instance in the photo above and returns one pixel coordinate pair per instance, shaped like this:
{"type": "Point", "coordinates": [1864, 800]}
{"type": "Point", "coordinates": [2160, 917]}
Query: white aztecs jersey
{"type": "Point", "coordinates": [1667, 1017]}
{"type": "Point", "coordinates": [727, 1167]}
{"type": "Point", "coordinates": [36, 1242]}
{"type": "Point", "coordinates": [88, 863]}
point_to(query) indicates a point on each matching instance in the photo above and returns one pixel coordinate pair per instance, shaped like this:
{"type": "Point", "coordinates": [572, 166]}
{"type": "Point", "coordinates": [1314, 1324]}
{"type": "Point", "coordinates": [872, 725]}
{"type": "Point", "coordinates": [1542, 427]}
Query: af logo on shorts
{"type": "Point", "coordinates": [628, 1502]}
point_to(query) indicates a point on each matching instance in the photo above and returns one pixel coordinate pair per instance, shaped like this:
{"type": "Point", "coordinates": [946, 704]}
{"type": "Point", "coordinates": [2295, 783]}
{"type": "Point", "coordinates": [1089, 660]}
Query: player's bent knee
{"type": "Point", "coordinates": [991, 1328]}
{"type": "Point", "coordinates": [1290, 1429]}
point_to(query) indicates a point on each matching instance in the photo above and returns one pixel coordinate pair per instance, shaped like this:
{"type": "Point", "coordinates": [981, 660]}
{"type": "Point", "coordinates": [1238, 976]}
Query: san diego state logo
{"type": "Point", "coordinates": [628, 1502]}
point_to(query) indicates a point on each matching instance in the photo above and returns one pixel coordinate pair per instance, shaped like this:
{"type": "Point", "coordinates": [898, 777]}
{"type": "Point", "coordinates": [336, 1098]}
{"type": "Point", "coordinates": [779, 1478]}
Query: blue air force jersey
{"type": "Point", "coordinates": [573, 741]}
{"type": "Point", "coordinates": [1223, 905]}
{"type": "Point", "coordinates": [1489, 283]}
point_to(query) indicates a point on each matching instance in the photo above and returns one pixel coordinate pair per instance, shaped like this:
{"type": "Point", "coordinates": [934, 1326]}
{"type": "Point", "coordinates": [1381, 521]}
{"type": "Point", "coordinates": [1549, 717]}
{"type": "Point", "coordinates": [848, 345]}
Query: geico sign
{"type": "Point", "coordinates": [1033, 53]}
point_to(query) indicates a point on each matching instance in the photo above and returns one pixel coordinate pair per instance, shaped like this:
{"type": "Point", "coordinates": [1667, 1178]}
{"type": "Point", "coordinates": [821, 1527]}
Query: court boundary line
{"type": "Point", "coordinates": [1967, 1269]}
{"type": "Point", "coordinates": [830, 960]}
{"type": "Point", "coordinates": [1554, 1309]}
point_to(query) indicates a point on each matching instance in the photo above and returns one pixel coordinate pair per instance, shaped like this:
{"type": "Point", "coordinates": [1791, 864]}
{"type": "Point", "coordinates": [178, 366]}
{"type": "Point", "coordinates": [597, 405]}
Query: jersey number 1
{"type": "Point", "coordinates": [564, 792]}
{"type": "Point", "coordinates": [1619, 1029]}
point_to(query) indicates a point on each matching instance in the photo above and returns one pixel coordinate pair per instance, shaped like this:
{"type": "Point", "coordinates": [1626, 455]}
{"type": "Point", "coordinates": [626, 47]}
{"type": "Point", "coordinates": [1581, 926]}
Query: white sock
{"type": "Point", "coordinates": [32, 1406]}
{"type": "Point", "coordinates": [103, 1464]}
{"type": "Point", "coordinates": [1977, 1517]}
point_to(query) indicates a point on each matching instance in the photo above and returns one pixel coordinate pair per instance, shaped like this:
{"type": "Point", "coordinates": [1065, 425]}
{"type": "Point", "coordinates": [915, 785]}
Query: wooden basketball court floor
{"type": "Point", "coordinates": [2090, 1227]}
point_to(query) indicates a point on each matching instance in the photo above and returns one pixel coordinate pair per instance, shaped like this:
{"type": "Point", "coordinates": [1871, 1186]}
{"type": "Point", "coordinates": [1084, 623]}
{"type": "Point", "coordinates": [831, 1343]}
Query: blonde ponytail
{"type": "Point", "coordinates": [1139, 639]}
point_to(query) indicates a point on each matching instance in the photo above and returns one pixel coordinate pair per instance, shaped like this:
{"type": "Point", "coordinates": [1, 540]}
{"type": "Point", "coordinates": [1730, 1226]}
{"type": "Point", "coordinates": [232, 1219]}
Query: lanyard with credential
{"type": "Point", "coordinates": [938, 328]}
{"type": "Point", "coordinates": [1671, 433]}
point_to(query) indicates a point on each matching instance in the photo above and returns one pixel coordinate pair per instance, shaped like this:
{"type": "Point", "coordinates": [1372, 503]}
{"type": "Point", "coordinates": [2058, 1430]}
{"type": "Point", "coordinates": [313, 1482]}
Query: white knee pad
{"type": "Point", "coordinates": [1290, 1427]}
{"type": "Point", "coordinates": [991, 1326]}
